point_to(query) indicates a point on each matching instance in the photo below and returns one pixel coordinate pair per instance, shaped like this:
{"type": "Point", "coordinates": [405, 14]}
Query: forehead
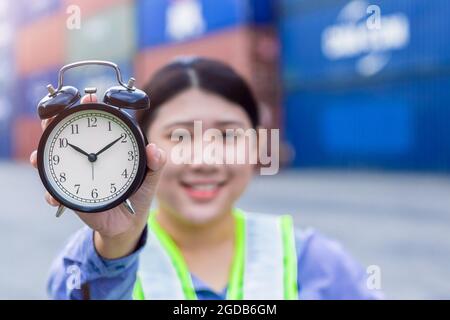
{"type": "Point", "coordinates": [196, 104]}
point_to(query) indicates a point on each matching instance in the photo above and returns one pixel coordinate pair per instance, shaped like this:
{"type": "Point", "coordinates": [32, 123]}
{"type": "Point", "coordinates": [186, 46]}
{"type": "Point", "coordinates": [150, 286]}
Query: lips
{"type": "Point", "coordinates": [202, 191]}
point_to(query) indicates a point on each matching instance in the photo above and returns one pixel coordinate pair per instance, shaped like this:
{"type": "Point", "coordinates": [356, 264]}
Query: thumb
{"type": "Point", "coordinates": [156, 159]}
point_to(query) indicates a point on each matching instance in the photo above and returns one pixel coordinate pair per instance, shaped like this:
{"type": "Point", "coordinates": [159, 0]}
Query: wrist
{"type": "Point", "coordinates": [117, 246]}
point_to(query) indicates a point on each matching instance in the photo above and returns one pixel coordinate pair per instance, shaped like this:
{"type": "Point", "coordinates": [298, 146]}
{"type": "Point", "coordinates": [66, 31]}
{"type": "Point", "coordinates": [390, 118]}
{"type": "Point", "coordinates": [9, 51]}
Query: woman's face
{"type": "Point", "coordinates": [198, 192]}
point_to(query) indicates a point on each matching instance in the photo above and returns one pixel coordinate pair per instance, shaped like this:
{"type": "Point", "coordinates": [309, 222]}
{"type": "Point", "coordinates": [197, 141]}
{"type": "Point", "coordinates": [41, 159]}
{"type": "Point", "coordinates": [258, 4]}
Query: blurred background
{"type": "Point", "coordinates": [360, 90]}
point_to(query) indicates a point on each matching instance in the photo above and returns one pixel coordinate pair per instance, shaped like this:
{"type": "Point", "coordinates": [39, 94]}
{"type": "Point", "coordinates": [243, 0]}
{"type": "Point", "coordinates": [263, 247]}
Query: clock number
{"type": "Point", "coordinates": [113, 188]}
{"type": "Point", "coordinates": [74, 129]}
{"type": "Point", "coordinates": [55, 159]}
{"type": "Point", "coordinates": [94, 193]}
{"type": "Point", "coordinates": [63, 143]}
{"type": "Point", "coordinates": [130, 155]}
{"type": "Point", "coordinates": [124, 138]}
{"type": "Point", "coordinates": [77, 186]}
{"type": "Point", "coordinates": [124, 174]}
{"type": "Point", "coordinates": [62, 177]}
{"type": "Point", "coordinates": [92, 122]}
{"type": "Point", "coordinates": [109, 125]}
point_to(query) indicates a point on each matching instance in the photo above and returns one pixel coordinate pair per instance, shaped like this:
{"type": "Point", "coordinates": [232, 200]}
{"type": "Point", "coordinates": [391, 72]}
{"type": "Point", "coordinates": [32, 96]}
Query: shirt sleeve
{"type": "Point", "coordinates": [327, 271]}
{"type": "Point", "coordinates": [79, 272]}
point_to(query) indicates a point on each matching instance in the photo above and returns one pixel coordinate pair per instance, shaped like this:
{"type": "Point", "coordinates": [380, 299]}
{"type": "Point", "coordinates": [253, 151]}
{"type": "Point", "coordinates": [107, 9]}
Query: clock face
{"type": "Point", "coordinates": [90, 159]}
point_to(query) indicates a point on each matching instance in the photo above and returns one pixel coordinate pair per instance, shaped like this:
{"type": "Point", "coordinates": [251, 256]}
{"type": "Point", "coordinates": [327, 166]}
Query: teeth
{"type": "Point", "coordinates": [204, 187]}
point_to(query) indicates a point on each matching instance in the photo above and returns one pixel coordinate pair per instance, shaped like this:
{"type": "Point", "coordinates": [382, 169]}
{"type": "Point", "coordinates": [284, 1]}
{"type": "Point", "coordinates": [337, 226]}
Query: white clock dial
{"type": "Point", "coordinates": [91, 158]}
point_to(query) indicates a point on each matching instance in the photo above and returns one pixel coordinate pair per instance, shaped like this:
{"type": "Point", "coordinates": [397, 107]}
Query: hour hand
{"type": "Point", "coordinates": [78, 149]}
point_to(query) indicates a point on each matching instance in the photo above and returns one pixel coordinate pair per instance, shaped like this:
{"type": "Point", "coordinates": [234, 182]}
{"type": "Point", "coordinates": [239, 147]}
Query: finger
{"type": "Point", "coordinates": [156, 157]}
{"type": "Point", "coordinates": [89, 98]}
{"type": "Point", "coordinates": [50, 200]}
{"type": "Point", "coordinates": [46, 122]}
{"type": "Point", "coordinates": [33, 158]}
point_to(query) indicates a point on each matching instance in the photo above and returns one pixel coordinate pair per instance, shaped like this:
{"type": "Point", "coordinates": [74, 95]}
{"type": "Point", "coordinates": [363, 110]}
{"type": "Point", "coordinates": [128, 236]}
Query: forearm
{"type": "Point", "coordinates": [79, 267]}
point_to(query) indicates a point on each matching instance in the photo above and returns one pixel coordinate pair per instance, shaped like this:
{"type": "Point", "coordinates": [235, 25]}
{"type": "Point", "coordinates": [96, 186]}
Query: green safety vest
{"type": "Point", "coordinates": [264, 264]}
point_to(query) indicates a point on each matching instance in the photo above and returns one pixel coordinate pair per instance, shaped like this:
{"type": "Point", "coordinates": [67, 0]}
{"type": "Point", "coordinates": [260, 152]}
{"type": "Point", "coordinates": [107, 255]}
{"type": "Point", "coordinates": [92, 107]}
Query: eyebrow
{"type": "Point", "coordinates": [191, 123]}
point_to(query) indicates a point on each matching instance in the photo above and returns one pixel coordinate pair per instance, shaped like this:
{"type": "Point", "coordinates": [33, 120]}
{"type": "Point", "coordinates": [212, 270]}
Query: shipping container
{"type": "Point", "coordinates": [7, 23]}
{"type": "Point", "coordinates": [29, 11]}
{"type": "Point", "coordinates": [232, 46]}
{"type": "Point", "coordinates": [7, 68]}
{"type": "Point", "coordinates": [40, 45]}
{"type": "Point", "coordinates": [6, 115]}
{"type": "Point", "coordinates": [107, 35]}
{"type": "Point", "coordinates": [252, 52]}
{"type": "Point", "coordinates": [87, 8]}
{"type": "Point", "coordinates": [5, 140]}
{"type": "Point", "coordinates": [362, 94]}
{"type": "Point", "coordinates": [339, 43]}
{"type": "Point", "coordinates": [403, 125]}
{"type": "Point", "coordinates": [33, 88]}
{"type": "Point", "coordinates": [262, 12]}
{"type": "Point", "coordinates": [164, 21]}
{"type": "Point", "coordinates": [8, 107]}
{"type": "Point", "coordinates": [7, 60]}
{"type": "Point", "coordinates": [26, 132]}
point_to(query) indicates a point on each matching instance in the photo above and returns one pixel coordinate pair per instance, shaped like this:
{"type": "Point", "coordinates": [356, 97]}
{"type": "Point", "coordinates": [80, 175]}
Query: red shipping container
{"type": "Point", "coordinates": [231, 46]}
{"type": "Point", "coordinates": [26, 133]}
{"type": "Point", "coordinates": [40, 45]}
{"type": "Point", "coordinates": [252, 52]}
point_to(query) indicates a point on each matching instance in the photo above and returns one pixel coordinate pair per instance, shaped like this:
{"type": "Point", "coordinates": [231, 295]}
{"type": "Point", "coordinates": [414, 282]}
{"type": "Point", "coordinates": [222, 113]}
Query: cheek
{"type": "Point", "coordinates": [241, 176]}
{"type": "Point", "coordinates": [169, 174]}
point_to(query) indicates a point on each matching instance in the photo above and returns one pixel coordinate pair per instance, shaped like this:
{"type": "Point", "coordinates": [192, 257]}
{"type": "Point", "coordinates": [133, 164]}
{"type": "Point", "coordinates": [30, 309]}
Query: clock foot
{"type": "Point", "coordinates": [60, 211]}
{"type": "Point", "coordinates": [129, 207]}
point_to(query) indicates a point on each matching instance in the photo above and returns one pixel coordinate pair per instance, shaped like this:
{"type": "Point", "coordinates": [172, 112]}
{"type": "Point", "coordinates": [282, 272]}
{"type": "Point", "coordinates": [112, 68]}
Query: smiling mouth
{"type": "Point", "coordinates": [202, 191]}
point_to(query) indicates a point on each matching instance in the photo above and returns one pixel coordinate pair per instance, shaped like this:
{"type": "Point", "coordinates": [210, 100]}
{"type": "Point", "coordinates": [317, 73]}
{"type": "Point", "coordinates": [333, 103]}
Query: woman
{"type": "Point", "coordinates": [196, 243]}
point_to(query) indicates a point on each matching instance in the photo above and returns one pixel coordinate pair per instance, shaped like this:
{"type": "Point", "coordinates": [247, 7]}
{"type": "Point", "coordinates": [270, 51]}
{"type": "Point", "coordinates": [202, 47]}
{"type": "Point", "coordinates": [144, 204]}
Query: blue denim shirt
{"type": "Point", "coordinates": [325, 271]}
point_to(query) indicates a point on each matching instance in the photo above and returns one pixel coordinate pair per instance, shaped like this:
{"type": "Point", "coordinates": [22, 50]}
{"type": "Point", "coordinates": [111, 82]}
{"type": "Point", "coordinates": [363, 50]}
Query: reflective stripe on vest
{"type": "Point", "coordinates": [264, 264]}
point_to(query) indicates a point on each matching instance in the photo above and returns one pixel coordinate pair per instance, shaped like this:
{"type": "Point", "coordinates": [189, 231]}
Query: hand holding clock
{"type": "Point", "coordinates": [116, 231]}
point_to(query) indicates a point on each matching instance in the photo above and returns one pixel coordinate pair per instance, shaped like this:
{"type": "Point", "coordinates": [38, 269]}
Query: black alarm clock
{"type": "Point", "coordinates": [91, 157]}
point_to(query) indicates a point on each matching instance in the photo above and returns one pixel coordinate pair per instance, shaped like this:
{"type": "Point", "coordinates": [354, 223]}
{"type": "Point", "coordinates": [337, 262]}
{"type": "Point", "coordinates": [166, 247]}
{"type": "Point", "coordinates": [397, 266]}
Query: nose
{"type": "Point", "coordinates": [204, 168]}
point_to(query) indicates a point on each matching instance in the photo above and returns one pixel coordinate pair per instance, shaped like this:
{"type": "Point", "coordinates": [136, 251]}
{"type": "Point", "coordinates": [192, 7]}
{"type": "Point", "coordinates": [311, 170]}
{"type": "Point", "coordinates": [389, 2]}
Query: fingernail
{"type": "Point", "coordinates": [157, 153]}
{"type": "Point", "coordinates": [32, 156]}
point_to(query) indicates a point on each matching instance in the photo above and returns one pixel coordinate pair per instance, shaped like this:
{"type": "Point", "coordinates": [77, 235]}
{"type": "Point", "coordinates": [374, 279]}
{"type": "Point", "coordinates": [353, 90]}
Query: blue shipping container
{"type": "Point", "coordinates": [339, 43]}
{"type": "Point", "coordinates": [6, 116]}
{"type": "Point", "coordinates": [165, 21]}
{"type": "Point", "coordinates": [33, 88]}
{"type": "Point", "coordinates": [399, 126]}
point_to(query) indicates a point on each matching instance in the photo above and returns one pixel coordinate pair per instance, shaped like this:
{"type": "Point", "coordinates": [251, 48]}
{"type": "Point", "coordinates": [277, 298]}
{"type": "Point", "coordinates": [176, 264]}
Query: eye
{"type": "Point", "coordinates": [178, 135]}
{"type": "Point", "coordinates": [232, 133]}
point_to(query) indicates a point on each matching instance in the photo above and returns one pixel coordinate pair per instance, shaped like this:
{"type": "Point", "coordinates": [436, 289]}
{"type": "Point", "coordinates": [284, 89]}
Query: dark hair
{"type": "Point", "coordinates": [207, 74]}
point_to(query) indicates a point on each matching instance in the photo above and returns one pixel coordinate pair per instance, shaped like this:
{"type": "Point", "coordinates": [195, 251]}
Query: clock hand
{"type": "Point", "coordinates": [108, 146]}
{"type": "Point", "coordinates": [78, 149]}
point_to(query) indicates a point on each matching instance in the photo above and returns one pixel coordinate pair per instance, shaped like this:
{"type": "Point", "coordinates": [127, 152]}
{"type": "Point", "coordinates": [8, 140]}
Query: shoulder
{"type": "Point", "coordinates": [327, 271]}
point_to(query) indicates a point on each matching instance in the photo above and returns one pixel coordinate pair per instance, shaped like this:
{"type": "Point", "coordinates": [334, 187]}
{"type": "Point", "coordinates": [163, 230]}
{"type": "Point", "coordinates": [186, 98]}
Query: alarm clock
{"type": "Point", "coordinates": [91, 157]}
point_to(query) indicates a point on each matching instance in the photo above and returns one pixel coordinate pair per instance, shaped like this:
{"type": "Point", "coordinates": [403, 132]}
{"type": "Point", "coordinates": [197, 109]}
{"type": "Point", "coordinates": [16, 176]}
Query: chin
{"type": "Point", "coordinates": [201, 214]}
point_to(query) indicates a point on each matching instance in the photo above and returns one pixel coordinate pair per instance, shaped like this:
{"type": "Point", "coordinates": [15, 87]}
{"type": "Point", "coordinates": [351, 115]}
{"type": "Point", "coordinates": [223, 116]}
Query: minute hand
{"type": "Point", "coordinates": [108, 146]}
